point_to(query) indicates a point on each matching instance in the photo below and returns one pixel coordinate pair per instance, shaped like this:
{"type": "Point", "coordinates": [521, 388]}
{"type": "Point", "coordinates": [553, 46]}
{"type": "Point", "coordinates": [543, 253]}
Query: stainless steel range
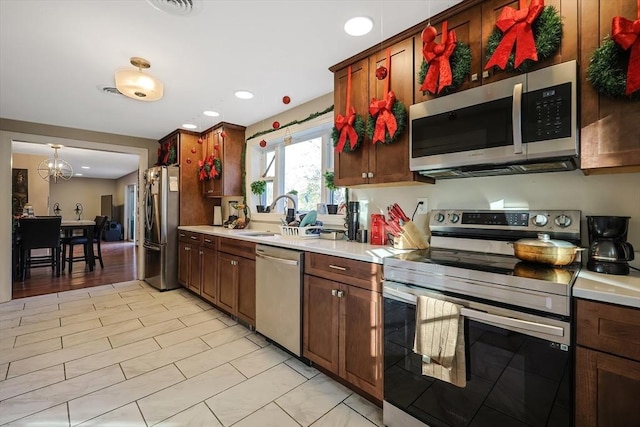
{"type": "Point", "coordinates": [516, 317]}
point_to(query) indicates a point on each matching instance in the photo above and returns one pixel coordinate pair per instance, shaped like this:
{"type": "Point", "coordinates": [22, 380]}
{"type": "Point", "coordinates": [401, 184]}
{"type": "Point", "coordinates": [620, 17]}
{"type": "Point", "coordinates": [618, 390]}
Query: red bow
{"type": "Point", "coordinates": [346, 129]}
{"type": "Point", "coordinates": [385, 120]}
{"type": "Point", "coordinates": [516, 26]}
{"type": "Point", "coordinates": [626, 34]}
{"type": "Point", "coordinates": [212, 168]}
{"type": "Point", "coordinates": [437, 56]}
{"type": "Point", "coordinates": [203, 174]}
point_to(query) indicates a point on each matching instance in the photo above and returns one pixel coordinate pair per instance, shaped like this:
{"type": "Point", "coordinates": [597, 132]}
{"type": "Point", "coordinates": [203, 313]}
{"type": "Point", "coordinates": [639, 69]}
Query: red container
{"type": "Point", "coordinates": [378, 236]}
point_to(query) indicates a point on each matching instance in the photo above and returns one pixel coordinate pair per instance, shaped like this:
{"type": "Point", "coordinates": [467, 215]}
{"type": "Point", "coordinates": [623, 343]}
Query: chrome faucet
{"type": "Point", "coordinates": [273, 205]}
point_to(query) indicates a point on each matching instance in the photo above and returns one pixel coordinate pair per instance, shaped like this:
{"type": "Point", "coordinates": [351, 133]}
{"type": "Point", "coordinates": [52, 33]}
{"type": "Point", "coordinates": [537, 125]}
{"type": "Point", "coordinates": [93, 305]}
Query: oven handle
{"type": "Point", "coordinates": [486, 317]}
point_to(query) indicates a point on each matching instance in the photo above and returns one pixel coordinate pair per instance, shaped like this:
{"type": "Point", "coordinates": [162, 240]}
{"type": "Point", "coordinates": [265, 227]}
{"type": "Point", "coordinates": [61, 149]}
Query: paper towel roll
{"type": "Point", "coordinates": [217, 215]}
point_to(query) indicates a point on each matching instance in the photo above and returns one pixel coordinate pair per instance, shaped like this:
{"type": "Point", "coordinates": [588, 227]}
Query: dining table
{"type": "Point", "coordinates": [86, 226]}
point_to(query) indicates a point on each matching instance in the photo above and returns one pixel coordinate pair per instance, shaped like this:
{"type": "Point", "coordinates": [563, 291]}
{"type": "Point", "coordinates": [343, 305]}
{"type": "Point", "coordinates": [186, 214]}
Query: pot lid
{"type": "Point", "coordinates": [544, 241]}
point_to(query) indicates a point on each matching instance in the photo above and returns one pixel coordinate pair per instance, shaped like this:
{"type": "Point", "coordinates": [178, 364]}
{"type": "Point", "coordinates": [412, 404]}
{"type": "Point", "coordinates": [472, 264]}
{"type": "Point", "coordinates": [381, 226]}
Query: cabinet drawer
{"type": "Point", "coordinates": [209, 241]}
{"type": "Point", "coordinates": [237, 247]}
{"type": "Point", "coordinates": [609, 328]}
{"type": "Point", "coordinates": [357, 273]}
{"type": "Point", "coordinates": [188, 236]}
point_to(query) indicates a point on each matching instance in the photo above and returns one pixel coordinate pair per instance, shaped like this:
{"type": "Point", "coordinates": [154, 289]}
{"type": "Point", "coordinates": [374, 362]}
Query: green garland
{"type": "Point", "coordinates": [607, 70]}
{"type": "Point", "coordinates": [294, 122]}
{"type": "Point", "coordinates": [460, 62]}
{"type": "Point", "coordinates": [547, 33]}
{"type": "Point", "coordinates": [399, 111]}
{"type": "Point", "coordinates": [359, 127]}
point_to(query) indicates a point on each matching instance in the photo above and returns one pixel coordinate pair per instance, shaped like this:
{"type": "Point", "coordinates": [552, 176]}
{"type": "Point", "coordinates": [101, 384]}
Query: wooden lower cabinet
{"type": "Point", "coordinates": [209, 279]}
{"type": "Point", "coordinates": [343, 332]}
{"type": "Point", "coordinates": [189, 260]}
{"type": "Point", "coordinates": [236, 290]}
{"type": "Point", "coordinates": [607, 365]}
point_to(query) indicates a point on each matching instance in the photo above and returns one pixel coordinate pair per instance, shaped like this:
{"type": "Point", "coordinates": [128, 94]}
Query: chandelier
{"type": "Point", "coordinates": [138, 85]}
{"type": "Point", "coordinates": [54, 169]}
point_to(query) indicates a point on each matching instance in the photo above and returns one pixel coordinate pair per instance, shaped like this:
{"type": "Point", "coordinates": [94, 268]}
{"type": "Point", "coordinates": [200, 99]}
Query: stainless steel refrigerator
{"type": "Point", "coordinates": [161, 210]}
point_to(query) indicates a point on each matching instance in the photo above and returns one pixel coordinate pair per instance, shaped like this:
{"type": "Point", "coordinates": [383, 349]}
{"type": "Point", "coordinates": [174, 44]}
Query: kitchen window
{"type": "Point", "coordinates": [296, 163]}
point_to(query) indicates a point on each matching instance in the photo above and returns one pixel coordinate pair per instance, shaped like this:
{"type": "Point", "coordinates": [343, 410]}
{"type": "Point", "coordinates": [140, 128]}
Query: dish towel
{"type": "Point", "coordinates": [440, 340]}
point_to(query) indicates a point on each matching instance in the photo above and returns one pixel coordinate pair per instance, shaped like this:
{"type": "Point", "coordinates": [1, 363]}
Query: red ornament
{"type": "Point", "coordinates": [286, 99]}
{"type": "Point", "coordinates": [381, 72]}
{"type": "Point", "coordinates": [223, 134]}
{"type": "Point", "coordinates": [276, 125]}
{"type": "Point", "coordinates": [263, 143]}
{"type": "Point", "coordinates": [200, 141]}
{"type": "Point", "coordinates": [193, 150]}
{"type": "Point", "coordinates": [429, 34]}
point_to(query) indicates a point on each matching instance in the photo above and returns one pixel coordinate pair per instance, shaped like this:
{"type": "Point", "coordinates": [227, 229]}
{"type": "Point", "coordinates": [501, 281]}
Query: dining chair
{"type": "Point", "coordinates": [70, 242]}
{"type": "Point", "coordinates": [39, 233]}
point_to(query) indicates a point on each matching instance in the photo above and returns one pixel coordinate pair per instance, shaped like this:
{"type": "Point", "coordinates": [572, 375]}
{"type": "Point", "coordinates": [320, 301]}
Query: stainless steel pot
{"type": "Point", "coordinates": [546, 250]}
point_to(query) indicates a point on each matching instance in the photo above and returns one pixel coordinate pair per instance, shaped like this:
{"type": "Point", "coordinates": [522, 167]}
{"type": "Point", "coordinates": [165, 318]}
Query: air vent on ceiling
{"type": "Point", "coordinates": [110, 90]}
{"type": "Point", "coordinates": [177, 7]}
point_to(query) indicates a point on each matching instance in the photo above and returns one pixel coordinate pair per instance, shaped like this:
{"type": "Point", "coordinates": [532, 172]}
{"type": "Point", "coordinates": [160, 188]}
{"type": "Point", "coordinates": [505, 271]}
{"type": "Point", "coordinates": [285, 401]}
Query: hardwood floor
{"type": "Point", "coordinates": [120, 265]}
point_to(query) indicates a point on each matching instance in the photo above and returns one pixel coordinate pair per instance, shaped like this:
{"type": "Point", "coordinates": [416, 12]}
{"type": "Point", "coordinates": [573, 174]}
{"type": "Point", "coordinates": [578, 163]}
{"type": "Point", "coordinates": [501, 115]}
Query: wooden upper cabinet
{"type": "Point", "coordinates": [609, 136]}
{"type": "Point", "coordinates": [468, 25]}
{"type": "Point", "coordinates": [568, 10]}
{"type": "Point", "coordinates": [229, 151]}
{"type": "Point", "coordinates": [193, 209]}
{"type": "Point", "coordinates": [379, 163]}
{"type": "Point", "coordinates": [349, 167]}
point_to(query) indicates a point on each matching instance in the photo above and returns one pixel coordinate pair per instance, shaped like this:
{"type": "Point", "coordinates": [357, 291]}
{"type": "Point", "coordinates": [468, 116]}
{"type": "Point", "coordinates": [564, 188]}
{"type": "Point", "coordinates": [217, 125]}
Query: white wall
{"type": "Point", "coordinates": [86, 191]}
{"type": "Point", "coordinates": [616, 194]}
{"type": "Point", "coordinates": [38, 187]}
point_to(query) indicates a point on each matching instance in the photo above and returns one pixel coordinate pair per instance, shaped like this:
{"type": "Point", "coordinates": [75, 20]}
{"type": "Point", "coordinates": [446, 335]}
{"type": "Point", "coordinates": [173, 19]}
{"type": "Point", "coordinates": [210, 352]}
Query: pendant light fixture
{"type": "Point", "coordinates": [55, 169]}
{"type": "Point", "coordinates": [138, 85]}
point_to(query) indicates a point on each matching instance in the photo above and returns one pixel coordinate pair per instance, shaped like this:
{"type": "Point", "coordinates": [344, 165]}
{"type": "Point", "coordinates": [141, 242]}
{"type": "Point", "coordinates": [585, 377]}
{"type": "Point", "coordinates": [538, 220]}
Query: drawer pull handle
{"type": "Point", "coordinates": [207, 240]}
{"type": "Point", "coordinates": [193, 238]}
{"type": "Point", "coordinates": [337, 267]}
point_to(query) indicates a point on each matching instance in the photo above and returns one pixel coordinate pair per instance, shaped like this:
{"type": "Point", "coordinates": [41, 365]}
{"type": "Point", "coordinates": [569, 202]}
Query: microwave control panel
{"type": "Point", "coordinates": [547, 113]}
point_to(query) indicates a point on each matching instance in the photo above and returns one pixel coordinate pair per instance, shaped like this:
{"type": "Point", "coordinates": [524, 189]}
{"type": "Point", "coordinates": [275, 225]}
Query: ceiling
{"type": "Point", "coordinates": [56, 56]}
{"type": "Point", "coordinates": [89, 163]}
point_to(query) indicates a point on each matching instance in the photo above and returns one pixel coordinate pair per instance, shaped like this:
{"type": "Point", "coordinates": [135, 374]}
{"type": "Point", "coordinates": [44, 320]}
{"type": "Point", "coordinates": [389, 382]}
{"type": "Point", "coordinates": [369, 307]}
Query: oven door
{"type": "Point", "coordinates": [519, 368]}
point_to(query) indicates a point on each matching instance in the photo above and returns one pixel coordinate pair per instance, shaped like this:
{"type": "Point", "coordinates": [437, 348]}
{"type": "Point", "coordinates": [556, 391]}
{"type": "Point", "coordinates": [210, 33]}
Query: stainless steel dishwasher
{"type": "Point", "coordinates": [279, 296]}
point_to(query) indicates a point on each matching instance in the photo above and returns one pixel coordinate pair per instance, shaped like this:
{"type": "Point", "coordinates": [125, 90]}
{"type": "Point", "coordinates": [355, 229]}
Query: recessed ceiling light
{"type": "Point", "coordinates": [85, 167]}
{"type": "Point", "coordinates": [211, 113]}
{"type": "Point", "coordinates": [189, 126]}
{"type": "Point", "coordinates": [358, 26]}
{"type": "Point", "coordinates": [243, 94]}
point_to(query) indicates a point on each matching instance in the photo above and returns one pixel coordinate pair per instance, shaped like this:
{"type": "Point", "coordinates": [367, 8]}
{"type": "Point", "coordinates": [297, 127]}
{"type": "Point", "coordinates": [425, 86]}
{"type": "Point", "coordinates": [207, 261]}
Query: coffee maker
{"type": "Point", "coordinates": [609, 251]}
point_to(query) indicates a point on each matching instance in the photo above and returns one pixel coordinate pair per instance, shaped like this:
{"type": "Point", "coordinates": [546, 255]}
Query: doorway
{"type": "Point", "coordinates": [130, 209]}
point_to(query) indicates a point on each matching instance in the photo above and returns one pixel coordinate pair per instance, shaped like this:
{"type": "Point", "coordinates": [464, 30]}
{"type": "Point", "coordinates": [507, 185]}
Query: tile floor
{"type": "Point", "coordinates": [128, 355]}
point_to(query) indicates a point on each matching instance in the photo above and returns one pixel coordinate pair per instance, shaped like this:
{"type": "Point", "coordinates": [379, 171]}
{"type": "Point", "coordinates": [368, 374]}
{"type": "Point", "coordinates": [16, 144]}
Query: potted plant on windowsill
{"type": "Point", "coordinates": [329, 182]}
{"type": "Point", "coordinates": [258, 188]}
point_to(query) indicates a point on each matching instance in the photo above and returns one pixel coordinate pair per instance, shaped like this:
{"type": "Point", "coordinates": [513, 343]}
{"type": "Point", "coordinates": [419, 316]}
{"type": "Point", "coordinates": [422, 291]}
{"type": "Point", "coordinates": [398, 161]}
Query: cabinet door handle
{"type": "Point", "coordinates": [337, 267]}
{"type": "Point", "coordinates": [187, 248]}
{"type": "Point", "coordinates": [364, 174]}
{"type": "Point", "coordinates": [201, 253]}
{"type": "Point", "coordinates": [340, 294]}
{"type": "Point", "coordinates": [334, 292]}
{"type": "Point", "coordinates": [370, 175]}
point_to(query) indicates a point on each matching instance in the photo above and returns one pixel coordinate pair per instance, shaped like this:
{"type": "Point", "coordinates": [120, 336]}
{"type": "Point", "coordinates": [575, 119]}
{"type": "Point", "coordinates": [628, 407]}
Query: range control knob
{"type": "Point", "coordinates": [539, 220]}
{"type": "Point", "coordinates": [563, 221]}
{"type": "Point", "coordinates": [455, 218]}
{"type": "Point", "coordinates": [439, 217]}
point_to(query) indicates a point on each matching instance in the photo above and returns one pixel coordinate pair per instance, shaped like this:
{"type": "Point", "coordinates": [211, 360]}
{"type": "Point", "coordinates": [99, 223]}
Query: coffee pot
{"type": "Point", "coordinates": [609, 251]}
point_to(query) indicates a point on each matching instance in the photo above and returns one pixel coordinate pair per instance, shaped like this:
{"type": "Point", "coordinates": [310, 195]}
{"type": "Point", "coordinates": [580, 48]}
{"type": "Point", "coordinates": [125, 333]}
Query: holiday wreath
{"type": "Point", "coordinates": [614, 69]}
{"type": "Point", "coordinates": [351, 128]}
{"type": "Point", "coordinates": [445, 64]}
{"type": "Point", "coordinates": [460, 61]}
{"type": "Point", "coordinates": [209, 168]}
{"type": "Point", "coordinates": [542, 23]}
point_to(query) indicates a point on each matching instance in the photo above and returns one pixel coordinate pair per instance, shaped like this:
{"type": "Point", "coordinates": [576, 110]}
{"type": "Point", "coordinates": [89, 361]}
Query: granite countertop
{"type": "Point", "coordinates": [341, 248]}
{"type": "Point", "coordinates": [622, 290]}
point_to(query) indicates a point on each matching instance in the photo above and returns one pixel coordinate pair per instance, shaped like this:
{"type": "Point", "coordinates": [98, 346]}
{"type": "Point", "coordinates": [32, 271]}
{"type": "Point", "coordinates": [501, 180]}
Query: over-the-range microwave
{"type": "Point", "coordinates": [523, 124]}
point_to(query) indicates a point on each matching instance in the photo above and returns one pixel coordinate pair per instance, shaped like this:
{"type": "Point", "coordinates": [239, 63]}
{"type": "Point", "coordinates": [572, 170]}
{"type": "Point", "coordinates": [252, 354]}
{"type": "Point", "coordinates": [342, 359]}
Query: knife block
{"type": "Point", "coordinates": [410, 238]}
